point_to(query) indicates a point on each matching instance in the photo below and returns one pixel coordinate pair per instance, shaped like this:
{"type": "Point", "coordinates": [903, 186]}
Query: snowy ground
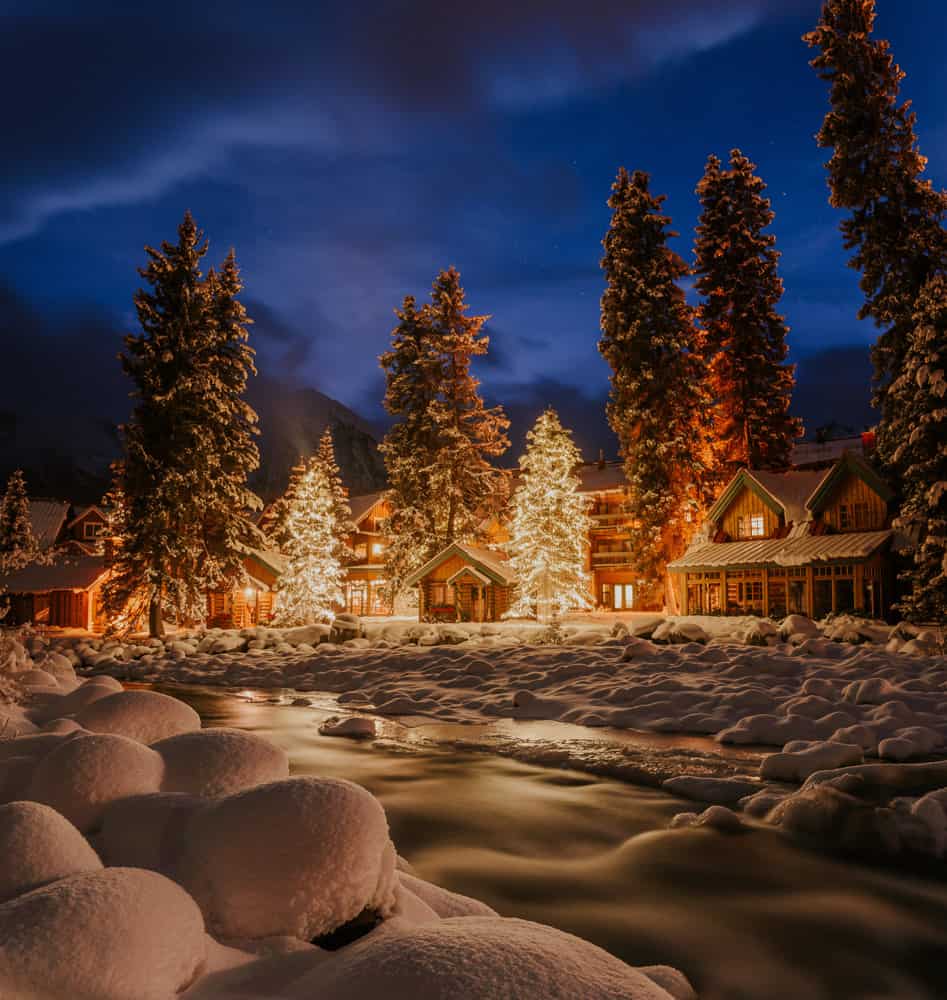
{"type": "Point", "coordinates": [146, 857]}
{"type": "Point", "coordinates": [856, 709]}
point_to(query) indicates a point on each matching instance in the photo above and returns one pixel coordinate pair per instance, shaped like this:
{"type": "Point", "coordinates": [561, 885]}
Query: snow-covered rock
{"type": "Point", "coordinates": [797, 765]}
{"type": "Point", "coordinates": [146, 716]}
{"type": "Point", "coordinates": [218, 762]}
{"type": "Point", "coordinates": [477, 958]}
{"type": "Point", "coordinates": [85, 773]}
{"type": "Point", "coordinates": [355, 727]}
{"type": "Point", "coordinates": [112, 934]}
{"type": "Point", "coordinates": [443, 902]}
{"type": "Point", "coordinates": [38, 846]}
{"type": "Point", "coordinates": [331, 860]}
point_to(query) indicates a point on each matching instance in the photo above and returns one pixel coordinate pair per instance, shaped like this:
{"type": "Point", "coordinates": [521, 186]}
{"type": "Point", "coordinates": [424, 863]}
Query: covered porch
{"type": "Point", "coordinates": [463, 583]}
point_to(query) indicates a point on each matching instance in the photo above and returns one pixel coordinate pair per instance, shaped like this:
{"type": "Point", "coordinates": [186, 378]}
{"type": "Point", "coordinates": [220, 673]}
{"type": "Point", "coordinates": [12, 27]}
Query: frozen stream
{"type": "Point", "coordinates": [746, 915]}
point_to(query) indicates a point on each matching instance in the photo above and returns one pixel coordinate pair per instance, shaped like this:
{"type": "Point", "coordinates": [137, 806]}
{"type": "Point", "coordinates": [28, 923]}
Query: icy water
{"type": "Point", "coordinates": [744, 916]}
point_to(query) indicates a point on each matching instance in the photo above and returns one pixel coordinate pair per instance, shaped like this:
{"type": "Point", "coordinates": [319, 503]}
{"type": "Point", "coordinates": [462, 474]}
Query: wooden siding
{"type": "Point", "coordinates": [871, 514]}
{"type": "Point", "coordinates": [747, 504]}
{"type": "Point", "coordinates": [434, 592]}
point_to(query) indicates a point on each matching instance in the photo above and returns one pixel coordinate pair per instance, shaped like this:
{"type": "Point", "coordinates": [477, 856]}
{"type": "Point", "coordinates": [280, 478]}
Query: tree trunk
{"type": "Point", "coordinates": [155, 623]}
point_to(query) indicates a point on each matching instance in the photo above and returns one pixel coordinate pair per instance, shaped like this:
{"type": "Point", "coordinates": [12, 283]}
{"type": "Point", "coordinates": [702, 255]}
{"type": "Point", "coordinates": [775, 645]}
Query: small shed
{"type": "Point", "coordinates": [253, 601]}
{"type": "Point", "coordinates": [463, 583]}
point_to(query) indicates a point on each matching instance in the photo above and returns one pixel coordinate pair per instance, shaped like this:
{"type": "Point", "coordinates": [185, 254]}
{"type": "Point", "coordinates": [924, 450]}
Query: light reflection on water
{"type": "Point", "coordinates": [747, 916]}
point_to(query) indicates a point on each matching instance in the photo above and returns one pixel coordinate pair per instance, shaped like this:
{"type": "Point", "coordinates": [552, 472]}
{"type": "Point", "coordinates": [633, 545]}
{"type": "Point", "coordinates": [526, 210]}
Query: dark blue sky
{"type": "Point", "coordinates": [349, 151]}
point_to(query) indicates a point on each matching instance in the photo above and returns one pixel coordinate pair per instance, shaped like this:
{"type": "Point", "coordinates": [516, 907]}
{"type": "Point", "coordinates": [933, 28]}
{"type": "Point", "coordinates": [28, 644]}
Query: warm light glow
{"type": "Point", "coordinates": [249, 593]}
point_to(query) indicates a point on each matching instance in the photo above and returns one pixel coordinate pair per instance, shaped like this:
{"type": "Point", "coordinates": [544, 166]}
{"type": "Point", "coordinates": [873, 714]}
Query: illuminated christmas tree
{"type": "Point", "coordinates": [312, 584]}
{"type": "Point", "coordinates": [550, 525]}
{"type": "Point", "coordinates": [17, 544]}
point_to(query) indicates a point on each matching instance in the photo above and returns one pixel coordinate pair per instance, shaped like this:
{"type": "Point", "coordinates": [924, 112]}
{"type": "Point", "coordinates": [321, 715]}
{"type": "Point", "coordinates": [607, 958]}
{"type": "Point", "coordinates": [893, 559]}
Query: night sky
{"type": "Point", "coordinates": [349, 151]}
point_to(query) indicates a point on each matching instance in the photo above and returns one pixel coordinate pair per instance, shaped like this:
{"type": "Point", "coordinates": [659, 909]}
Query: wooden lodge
{"type": "Point", "coordinates": [253, 600]}
{"type": "Point", "coordinates": [463, 583]}
{"type": "Point", "coordinates": [806, 542]}
{"type": "Point", "coordinates": [365, 592]}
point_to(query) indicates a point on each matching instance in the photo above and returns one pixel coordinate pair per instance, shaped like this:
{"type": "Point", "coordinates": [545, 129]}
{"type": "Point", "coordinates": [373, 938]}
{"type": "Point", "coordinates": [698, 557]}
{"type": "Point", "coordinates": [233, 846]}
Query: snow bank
{"type": "Point", "coordinates": [298, 857]}
{"type": "Point", "coordinates": [146, 716]}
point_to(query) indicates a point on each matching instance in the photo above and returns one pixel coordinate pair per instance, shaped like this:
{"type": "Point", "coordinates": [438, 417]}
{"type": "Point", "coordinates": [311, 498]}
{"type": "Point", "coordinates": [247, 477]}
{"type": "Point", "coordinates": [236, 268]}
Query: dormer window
{"type": "Point", "coordinates": [757, 526]}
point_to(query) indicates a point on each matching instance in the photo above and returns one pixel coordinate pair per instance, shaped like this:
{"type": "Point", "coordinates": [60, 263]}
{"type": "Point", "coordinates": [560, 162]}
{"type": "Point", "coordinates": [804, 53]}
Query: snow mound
{"type": "Point", "coordinates": [797, 765]}
{"type": "Point", "coordinates": [218, 762]}
{"type": "Point", "coordinates": [38, 846]}
{"type": "Point", "coordinates": [146, 716]}
{"type": "Point", "coordinates": [110, 935]}
{"type": "Point", "coordinates": [477, 958]}
{"type": "Point", "coordinates": [82, 775]}
{"type": "Point", "coordinates": [298, 857]}
{"type": "Point", "coordinates": [355, 727]}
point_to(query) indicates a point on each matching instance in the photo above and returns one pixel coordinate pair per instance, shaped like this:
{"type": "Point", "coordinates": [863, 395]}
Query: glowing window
{"type": "Point", "coordinates": [757, 526]}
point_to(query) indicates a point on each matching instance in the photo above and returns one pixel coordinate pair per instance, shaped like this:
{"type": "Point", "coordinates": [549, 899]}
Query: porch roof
{"type": "Point", "coordinates": [794, 551]}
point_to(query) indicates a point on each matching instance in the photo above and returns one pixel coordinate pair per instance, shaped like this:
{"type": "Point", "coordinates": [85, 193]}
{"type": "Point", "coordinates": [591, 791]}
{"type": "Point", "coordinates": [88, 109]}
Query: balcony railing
{"type": "Point", "coordinates": [611, 557]}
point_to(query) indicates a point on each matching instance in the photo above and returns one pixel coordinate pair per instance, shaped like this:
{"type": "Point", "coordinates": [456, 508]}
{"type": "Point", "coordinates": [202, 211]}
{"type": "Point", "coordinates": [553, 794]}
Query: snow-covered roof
{"type": "Point", "coordinates": [791, 490]}
{"type": "Point", "coordinates": [271, 558]}
{"type": "Point", "coordinates": [362, 505]}
{"type": "Point", "coordinates": [825, 452]}
{"type": "Point", "coordinates": [493, 564]}
{"type": "Point", "coordinates": [596, 477]}
{"type": "Point", "coordinates": [70, 571]}
{"type": "Point", "coordinates": [800, 550]}
{"type": "Point", "coordinates": [47, 518]}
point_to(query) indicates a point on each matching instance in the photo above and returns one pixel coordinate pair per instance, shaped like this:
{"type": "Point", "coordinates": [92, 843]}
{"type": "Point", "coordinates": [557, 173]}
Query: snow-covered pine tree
{"type": "Point", "coordinates": [18, 546]}
{"type": "Point", "coordinates": [744, 337]}
{"type": "Point", "coordinates": [183, 517]}
{"type": "Point", "coordinates": [274, 522]}
{"type": "Point", "coordinates": [550, 523]}
{"type": "Point", "coordinates": [411, 384]}
{"type": "Point", "coordinates": [895, 226]}
{"type": "Point", "coordinates": [442, 484]}
{"type": "Point", "coordinates": [312, 584]}
{"type": "Point", "coordinates": [657, 405]}
{"type": "Point", "coordinates": [919, 424]}
{"type": "Point", "coordinates": [469, 433]}
{"type": "Point", "coordinates": [341, 510]}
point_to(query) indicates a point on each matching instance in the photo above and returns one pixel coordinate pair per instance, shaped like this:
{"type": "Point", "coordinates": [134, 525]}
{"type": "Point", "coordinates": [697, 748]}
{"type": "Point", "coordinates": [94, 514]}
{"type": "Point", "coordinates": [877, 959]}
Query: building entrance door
{"type": "Point", "coordinates": [623, 596]}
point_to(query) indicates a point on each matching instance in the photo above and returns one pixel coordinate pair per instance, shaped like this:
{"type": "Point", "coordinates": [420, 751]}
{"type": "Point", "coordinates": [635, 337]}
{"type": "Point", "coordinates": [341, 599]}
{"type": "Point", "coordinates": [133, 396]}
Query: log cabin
{"type": "Point", "coordinates": [365, 592]}
{"type": "Point", "coordinates": [809, 542]}
{"type": "Point", "coordinates": [251, 601]}
{"type": "Point", "coordinates": [463, 583]}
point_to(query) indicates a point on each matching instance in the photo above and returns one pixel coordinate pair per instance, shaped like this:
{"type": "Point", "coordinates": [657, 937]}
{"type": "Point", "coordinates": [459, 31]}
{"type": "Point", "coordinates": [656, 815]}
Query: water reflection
{"type": "Point", "coordinates": [747, 916]}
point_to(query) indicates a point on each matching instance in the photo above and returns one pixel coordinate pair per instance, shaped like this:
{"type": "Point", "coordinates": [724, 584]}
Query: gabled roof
{"type": "Point", "coordinates": [797, 551]}
{"type": "Point", "coordinates": [492, 564]}
{"type": "Point", "coordinates": [47, 518]}
{"type": "Point", "coordinates": [70, 571]}
{"type": "Point", "coordinates": [81, 512]}
{"type": "Point", "coordinates": [848, 464]}
{"type": "Point", "coordinates": [783, 492]}
{"type": "Point", "coordinates": [362, 506]}
{"type": "Point", "coordinates": [271, 559]}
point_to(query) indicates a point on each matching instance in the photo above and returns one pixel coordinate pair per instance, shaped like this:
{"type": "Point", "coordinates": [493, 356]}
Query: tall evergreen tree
{"type": "Point", "coordinates": [18, 545]}
{"type": "Point", "coordinates": [657, 406]}
{"type": "Point", "coordinates": [342, 525]}
{"type": "Point", "coordinates": [919, 404]}
{"type": "Point", "coordinates": [412, 383]}
{"type": "Point", "coordinates": [550, 523]}
{"type": "Point", "coordinates": [442, 483]}
{"type": "Point", "coordinates": [275, 521]}
{"type": "Point", "coordinates": [744, 337]}
{"type": "Point", "coordinates": [469, 433]}
{"type": "Point", "coordinates": [895, 226]}
{"type": "Point", "coordinates": [312, 584]}
{"type": "Point", "coordinates": [189, 444]}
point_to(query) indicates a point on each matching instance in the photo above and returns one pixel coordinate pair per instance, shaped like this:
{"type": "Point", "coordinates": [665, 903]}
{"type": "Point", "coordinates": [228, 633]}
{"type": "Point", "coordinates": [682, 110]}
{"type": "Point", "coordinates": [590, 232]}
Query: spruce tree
{"type": "Point", "coordinates": [442, 483]}
{"type": "Point", "coordinates": [412, 383]}
{"type": "Point", "coordinates": [189, 445]}
{"type": "Point", "coordinates": [469, 433]}
{"type": "Point", "coordinates": [895, 226]}
{"type": "Point", "coordinates": [919, 404]}
{"type": "Point", "coordinates": [341, 510]}
{"type": "Point", "coordinates": [550, 523]}
{"type": "Point", "coordinates": [18, 545]}
{"type": "Point", "coordinates": [274, 523]}
{"type": "Point", "coordinates": [657, 405]}
{"type": "Point", "coordinates": [744, 337]}
{"type": "Point", "coordinates": [311, 586]}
